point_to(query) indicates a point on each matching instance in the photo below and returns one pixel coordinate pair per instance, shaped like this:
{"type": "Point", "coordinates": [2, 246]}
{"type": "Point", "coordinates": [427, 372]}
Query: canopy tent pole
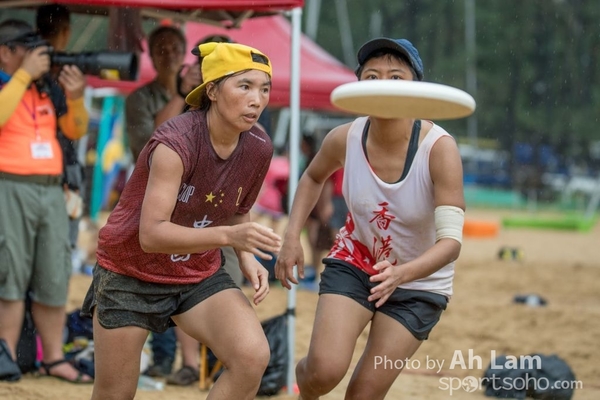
{"type": "Point", "coordinates": [294, 175]}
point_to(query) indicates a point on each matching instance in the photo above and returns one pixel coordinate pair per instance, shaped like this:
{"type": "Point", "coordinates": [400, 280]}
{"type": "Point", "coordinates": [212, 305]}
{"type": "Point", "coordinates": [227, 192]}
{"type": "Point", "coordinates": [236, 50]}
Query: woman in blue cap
{"type": "Point", "coordinates": [392, 264]}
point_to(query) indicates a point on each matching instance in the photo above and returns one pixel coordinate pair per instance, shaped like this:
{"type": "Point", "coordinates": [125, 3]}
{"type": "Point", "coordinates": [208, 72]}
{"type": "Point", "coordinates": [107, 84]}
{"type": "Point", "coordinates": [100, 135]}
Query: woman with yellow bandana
{"type": "Point", "coordinates": [159, 260]}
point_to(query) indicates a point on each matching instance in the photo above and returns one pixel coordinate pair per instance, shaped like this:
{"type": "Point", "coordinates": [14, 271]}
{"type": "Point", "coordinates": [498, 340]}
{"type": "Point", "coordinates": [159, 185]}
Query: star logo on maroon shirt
{"type": "Point", "coordinates": [210, 197]}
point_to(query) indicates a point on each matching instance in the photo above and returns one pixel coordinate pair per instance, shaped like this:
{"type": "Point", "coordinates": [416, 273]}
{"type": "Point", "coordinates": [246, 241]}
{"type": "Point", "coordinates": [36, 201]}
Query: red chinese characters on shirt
{"type": "Point", "coordinates": [384, 250]}
{"type": "Point", "coordinates": [348, 248]}
{"type": "Point", "coordinates": [382, 246]}
{"type": "Point", "coordinates": [382, 218]}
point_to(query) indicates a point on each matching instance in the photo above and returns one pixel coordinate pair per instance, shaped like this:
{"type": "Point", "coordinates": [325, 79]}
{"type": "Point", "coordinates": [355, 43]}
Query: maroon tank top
{"type": "Point", "coordinates": [212, 191]}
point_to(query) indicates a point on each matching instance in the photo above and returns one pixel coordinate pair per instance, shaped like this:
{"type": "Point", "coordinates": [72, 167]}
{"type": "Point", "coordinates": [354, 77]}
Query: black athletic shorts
{"type": "Point", "coordinates": [417, 310]}
{"type": "Point", "coordinates": [120, 300]}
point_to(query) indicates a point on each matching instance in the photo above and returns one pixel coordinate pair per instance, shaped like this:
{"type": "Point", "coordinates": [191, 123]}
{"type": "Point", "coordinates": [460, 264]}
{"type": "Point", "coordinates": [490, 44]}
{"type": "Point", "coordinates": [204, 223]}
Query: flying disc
{"type": "Point", "coordinates": [403, 99]}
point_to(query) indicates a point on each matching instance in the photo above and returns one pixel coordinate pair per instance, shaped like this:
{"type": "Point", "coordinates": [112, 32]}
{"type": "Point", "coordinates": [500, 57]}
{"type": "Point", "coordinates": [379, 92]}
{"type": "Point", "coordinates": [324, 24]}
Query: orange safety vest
{"type": "Point", "coordinates": [33, 123]}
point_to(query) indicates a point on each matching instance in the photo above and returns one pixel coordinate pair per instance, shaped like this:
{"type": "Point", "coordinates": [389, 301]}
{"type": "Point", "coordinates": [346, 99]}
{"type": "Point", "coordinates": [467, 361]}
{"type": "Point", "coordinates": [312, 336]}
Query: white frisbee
{"type": "Point", "coordinates": [403, 99]}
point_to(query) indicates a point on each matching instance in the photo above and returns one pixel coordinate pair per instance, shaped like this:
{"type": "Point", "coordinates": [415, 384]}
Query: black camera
{"type": "Point", "coordinates": [121, 66]}
{"type": "Point", "coordinates": [113, 65]}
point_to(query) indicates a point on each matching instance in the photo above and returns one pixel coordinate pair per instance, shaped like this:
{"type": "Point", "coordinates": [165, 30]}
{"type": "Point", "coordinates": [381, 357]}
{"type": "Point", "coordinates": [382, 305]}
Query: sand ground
{"type": "Point", "coordinates": [561, 266]}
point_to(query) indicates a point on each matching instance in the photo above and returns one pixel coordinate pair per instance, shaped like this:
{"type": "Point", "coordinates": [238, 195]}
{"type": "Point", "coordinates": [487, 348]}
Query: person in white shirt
{"type": "Point", "coordinates": [392, 264]}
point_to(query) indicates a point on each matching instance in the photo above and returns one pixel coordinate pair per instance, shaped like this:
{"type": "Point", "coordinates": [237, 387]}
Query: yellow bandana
{"type": "Point", "coordinates": [222, 59]}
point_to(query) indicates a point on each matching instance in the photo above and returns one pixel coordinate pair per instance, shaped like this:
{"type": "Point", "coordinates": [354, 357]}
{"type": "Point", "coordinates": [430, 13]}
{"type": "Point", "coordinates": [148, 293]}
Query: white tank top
{"type": "Point", "coordinates": [393, 221]}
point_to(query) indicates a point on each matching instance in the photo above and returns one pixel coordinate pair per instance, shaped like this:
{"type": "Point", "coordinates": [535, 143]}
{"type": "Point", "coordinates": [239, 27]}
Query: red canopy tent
{"type": "Point", "coordinates": [193, 7]}
{"type": "Point", "coordinates": [320, 72]}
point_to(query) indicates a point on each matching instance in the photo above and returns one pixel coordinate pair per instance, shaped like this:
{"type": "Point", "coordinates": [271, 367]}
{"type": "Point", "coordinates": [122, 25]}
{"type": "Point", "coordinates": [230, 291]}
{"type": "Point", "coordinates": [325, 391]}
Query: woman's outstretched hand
{"type": "Point", "coordinates": [255, 238]}
{"type": "Point", "coordinates": [291, 254]}
{"type": "Point", "coordinates": [258, 276]}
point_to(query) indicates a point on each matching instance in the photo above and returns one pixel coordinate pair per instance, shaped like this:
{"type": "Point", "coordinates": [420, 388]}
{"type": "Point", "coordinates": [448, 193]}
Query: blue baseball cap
{"type": "Point", "coordinates": [402, 46]}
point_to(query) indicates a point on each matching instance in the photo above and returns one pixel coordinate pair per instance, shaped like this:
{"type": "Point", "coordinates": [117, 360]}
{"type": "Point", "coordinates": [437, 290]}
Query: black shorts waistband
{"type": "Point", "coordinates": [49, 180]}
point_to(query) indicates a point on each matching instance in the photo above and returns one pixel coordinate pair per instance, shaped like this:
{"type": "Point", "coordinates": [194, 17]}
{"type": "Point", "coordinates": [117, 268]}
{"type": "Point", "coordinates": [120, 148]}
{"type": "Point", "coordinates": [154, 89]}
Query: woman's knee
{"type": "Point", "coordinates": [321, 373]}
{"type": "Point", "coordinates": [115, 384]}
{"type": "Point", "coordinates": [250, 359]}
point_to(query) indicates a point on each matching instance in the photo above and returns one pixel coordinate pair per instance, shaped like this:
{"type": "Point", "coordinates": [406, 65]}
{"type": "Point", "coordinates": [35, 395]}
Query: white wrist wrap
{"type": "Point", "coordinates": [449, 221]}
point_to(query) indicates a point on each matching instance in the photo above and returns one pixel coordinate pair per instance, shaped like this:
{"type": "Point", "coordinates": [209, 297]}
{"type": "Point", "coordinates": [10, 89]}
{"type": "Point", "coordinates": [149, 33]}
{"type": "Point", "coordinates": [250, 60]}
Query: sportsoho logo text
{"type": "Point", "coordinates": [520, 383]}
{"type": "Point", "coordinates": [474, 362]}
{"type": "Point", "coordinates": [501, 383]}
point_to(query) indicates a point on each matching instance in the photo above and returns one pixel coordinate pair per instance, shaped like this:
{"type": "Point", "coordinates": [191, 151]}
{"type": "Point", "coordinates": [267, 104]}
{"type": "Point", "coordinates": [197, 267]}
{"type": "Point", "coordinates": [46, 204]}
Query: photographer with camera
{"type": "Point", "coordinates": [34, 243]}
{"type": "Point", "coordinates": [53, 22]}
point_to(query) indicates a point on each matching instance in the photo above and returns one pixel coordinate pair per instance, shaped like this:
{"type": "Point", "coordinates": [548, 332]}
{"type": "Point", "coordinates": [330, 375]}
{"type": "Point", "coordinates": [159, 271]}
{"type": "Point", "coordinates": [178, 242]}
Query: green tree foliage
{"type": "Point", "coordinates": [538, 78]}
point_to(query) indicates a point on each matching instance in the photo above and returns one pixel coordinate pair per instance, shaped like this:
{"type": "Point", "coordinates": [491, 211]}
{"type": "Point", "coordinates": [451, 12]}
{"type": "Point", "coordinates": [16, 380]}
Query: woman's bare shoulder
{"type": "Point", "coordinates": [333, 146]}
{"type": "Point", "coordinates": [339, 134]}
